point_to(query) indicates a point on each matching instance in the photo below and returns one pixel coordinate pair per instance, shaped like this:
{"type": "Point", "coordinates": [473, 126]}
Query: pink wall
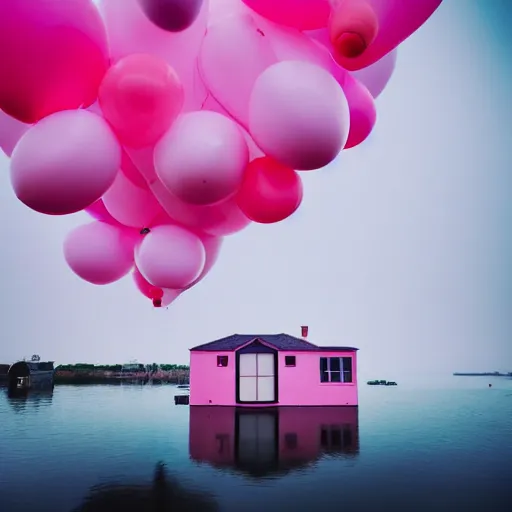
{"type": "Point", "coordinates": [298, 386]}
{"type": "Point", "coordinates": [212, 434]}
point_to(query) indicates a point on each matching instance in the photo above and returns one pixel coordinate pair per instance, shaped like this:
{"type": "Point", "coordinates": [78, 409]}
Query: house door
{"type": "Point", "coordinates": [257, 378]}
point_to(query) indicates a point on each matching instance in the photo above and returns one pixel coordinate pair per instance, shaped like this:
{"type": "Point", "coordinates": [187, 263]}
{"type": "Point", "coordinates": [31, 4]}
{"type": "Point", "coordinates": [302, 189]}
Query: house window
{"type": "Point", "coordinates": [222, 360]}
{"type": "Point", "coordinates": [289, 360]}
{"type": "Point", "coordinates": [335, 369]}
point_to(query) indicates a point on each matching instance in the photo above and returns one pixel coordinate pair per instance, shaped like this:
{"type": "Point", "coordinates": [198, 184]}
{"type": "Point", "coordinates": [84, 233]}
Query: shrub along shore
{"type": "Point", "coordinates": [100, 374]}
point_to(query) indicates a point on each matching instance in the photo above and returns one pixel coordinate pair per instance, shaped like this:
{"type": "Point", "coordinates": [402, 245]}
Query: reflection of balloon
{"type": "Point", "coordinates": [130, 205]}
{"type": "Point", "coordinates": [270, 192]}
{"type": "Point", "coordinates": [53, 57]}
{"type": "Point", "coordinates": [301, 14]}
{"type": "Point", "coordinates": [202, 158]}
{"type": "Point", "coordinates": [376, 76]}
{"type": "Point", "coordinates": [172, 15]}
{"type": "Point", "coordinates": [170, 257]}
{"type": "Point", "coordinates": [141, 96]}
{"type": "Point", "coordinates": [100, 253]}
{"type": "Point", "coordinates": [65, 162]}
{"type": "Point", "coordinates": [299, 115]}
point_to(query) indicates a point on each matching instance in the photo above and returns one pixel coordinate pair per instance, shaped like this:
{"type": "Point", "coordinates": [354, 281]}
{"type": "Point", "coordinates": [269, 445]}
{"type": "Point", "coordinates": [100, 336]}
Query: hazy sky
{"type": "Point", "coordinates": [402, 246]}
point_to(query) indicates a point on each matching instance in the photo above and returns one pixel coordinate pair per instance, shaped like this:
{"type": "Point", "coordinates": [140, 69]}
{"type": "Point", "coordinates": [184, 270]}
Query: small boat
{"type": "Point", "coordinates": [381, 383]}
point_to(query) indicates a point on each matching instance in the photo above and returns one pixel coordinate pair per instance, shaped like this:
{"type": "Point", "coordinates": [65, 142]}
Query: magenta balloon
{"type": "Point", "coordinates": [202, 158]}
{"type": "Point", "coordinates": [170, 257]}
{"type": "Point", "coordinates": [376, 77]}
{"type": "Point", "coordinates": [65, 162]}
{"type": "Point", "coordinates": [300, 14]}
{"type": "Point", "coordinates": [131, 172]}
{"type": "Point", "coordinates": [219, 219]}
{"type": "Point", "coordinates": [299, 115]}
{"type": "Point", "coordinates": [397, 20]}
{"type": "Point", "coordinates": [130, 31]}
{"type": "Point", "coordinates": [98, 211]}
{"type": "Point", "coordinates": [234, 53]}
{"type": "Point", "coordinates": [99, 252]}
{"type": "Point", "coordinates": [11, 131]}
{"type": "Point", "coordinates": [172, 15]}
{"type": "Point", "coordinates": [130, 205]}
{"type": "Point", "coordinates": [362, 111]}
{"type": "Point", "coordinates": [54, 55]}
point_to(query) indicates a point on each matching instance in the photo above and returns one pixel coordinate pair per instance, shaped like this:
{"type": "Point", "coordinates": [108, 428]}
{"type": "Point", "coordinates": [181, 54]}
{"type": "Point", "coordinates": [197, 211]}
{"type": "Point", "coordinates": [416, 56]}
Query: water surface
{"type": "Point", "coordinates": [429, 444]}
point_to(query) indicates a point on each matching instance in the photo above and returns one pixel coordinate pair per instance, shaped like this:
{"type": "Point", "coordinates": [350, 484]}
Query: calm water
{"type": "Point", "coordinates": [443, 445]}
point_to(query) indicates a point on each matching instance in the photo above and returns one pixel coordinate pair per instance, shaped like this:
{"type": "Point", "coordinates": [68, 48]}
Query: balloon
{"type": "Point", "coordinates": [99, 252]}
{"type": "Point", "coordinates": [170, 257]}
{"type": "Point", "coordinates": [140, 97]}
{"type": "Point", "coordinates": [172, 15]}
{"type": "Point", "coordinates": [353, 26]}
{"type": "Point", "coordinates": [271, 192]}
{"type": "Point", "coordinates": [98, 211]}
{"type": "Point", "coordinates": [65, 162]}
{"type": "Point", "coordinates": [212, 246]}
{"type": "Point", "coordinates": [396, 19]}
{"type": "Point", "coordinates": [54, 55]}
{"type": "Point", "coordinates": [299, 115]}
{"type": "Point", "coordinates": [233, 54]}
{"type": "Point", "coordinates": [160, 297]}
{"type": "Point", "coordinates": [362, 111]}
{"type": "Point", "coordinates": [130, 31]}
{"type": "Point", "coordinates": [218, 219]}
{"type": "Point", "coordinates": [300, 14]}
{"type": "Point", "coordinates": [130, 205]}
{"type": "Point", "coordinates": [131, 172]}
{"type": "Point", "coordinates": [11, 131]}
{"type": "Point", "coordinates": [202, 158]}
{"type": "Point", "coordinates": [376, 77]}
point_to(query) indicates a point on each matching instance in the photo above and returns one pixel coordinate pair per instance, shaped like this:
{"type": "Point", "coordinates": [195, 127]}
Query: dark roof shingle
{"type": "Point", "coordinates": [282, 342]}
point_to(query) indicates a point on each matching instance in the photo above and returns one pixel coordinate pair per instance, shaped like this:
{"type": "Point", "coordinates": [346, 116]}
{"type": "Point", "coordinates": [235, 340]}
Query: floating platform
{"type": "Point", "coordinates": [181, 399]}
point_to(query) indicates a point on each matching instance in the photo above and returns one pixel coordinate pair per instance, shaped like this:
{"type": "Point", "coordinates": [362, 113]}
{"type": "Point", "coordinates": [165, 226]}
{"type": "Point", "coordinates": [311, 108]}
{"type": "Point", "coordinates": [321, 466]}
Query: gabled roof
{"type": "Point", "coordinates": [282, 342]}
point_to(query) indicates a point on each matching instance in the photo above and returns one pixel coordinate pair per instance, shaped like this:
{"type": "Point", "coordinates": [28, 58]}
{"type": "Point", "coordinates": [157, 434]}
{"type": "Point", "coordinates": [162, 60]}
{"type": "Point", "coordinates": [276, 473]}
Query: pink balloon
{"type": "Point", "coordinates": [300, 14]}
{"type": "Point", "coordinates": [170, 257]}
{"type": "Point", "coordinates": [234, 53]}
{"type": "Point", "coordinates": [218, 219]}
{"type": "Point", "coordinates": [299, 115]}
{"type": "Point", "coordinates": [11, 131]}
{"type": "Point", "coordinates": [65, 162]}
{"type": "Point", "coordinates": [172, 15]}
{"type": "Point", "coordinates": [130, 205]}
{"type": "Point", "coordinates": [362, 111]}
{"type": "Point", "coordinates": [140, 97]}
{"type": "Point", "coordinates": [131, 172]}
{"type": "Point", "coordinates": [271, 192]}
{"type": "Point", "coordinates": [202, 158]}
{"type": "Point", "coordinates": [212, 246]}
{"type": "Point", "coordinates": [54, 56]}
{"type": "Point", "coordinates": [130, 31]}
{"type": "Point", "coordinates": [396, 21]}
{"type": "Point", "coordinates": [99, 252]}
{"type": "Point", "coordinates": [376, 76]}
{"type": "Point", "coordinates": [160, 297]}
{"type": "Point", "coordinates": [98, 211]}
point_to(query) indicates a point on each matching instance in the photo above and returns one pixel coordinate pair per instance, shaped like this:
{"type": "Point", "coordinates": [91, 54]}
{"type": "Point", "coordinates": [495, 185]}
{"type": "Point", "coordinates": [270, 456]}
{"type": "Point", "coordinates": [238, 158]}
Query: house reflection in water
{"type": "Point", "coordinates": [261, 442]}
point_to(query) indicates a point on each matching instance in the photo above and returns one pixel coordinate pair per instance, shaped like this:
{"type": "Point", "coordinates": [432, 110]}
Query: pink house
{"type": "Point", "coordinates": [261, 370]}
{"type": "Point", "coordinates": [273, 440]}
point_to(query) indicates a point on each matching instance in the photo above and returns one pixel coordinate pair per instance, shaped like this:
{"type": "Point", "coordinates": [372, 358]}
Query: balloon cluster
{"type": "Point", "coordinates": [174, 123]}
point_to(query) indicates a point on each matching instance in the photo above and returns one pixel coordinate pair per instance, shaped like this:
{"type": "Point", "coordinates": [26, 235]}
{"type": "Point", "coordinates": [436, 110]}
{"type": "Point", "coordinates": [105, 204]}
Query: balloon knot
{"type": "Point", "coordinates": [145, 231]}
{"type": "Point", "coordinates": [350, 45]}
{"type": "Point", "coordinates": [157, 303]}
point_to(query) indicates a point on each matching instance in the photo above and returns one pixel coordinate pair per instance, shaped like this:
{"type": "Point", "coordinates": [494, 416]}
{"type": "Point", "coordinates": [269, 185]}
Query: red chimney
{"type": "Point", "coordinates": [304, 329]}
